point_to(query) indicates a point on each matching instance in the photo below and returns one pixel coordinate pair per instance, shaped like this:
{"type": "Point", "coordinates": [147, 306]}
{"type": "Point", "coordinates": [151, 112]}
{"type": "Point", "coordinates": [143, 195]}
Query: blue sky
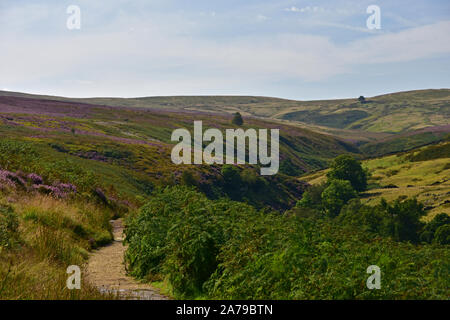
{"type": "Point", "coordinates": [292, 49]}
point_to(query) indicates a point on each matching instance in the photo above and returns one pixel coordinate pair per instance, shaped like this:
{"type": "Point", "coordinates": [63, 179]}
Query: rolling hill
{"type": "Point", "coordinates": [389, 113]}
{"type": "Point", "coordinates": [68, 166]}
{"type": "Point", "coordinates": [131, 147]}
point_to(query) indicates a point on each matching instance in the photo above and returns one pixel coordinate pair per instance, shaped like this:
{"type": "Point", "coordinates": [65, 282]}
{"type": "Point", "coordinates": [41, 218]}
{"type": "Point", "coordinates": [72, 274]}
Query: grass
{"type": "Point", "coordinates": [52, 235]}
{"type": "Point", "coordinates": [397, 175]}
{"type": "Point", "coordinates": [123, 153]}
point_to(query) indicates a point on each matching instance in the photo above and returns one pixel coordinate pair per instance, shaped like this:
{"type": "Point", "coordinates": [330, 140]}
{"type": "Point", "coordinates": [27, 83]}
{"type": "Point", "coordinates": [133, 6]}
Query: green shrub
{"type": "Point", "coordinates": [232, 181]}
{"type": "Point", "coordinates": [442, 235]}
{"type": "Point", "coordinates": [404, 219]}
{"type": "Point", "coordinates": [178, 234]}
{"type": "Point", "coordinates": [220, 249]}
{"type": "Point", "coordinates": [336, 195]}
{"type": "Point", "coordinates": [429, 231]}
{"type": "Point", "coordinates": [188, 179]}
{"type": "Point", "coordinates": [312, 197]}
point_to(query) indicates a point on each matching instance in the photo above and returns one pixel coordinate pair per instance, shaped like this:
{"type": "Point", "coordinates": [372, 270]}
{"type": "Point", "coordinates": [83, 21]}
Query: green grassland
{"type": "Point", "coordinates": [40, 236]}
{"type": "Point", "coordinates": [425, 177]}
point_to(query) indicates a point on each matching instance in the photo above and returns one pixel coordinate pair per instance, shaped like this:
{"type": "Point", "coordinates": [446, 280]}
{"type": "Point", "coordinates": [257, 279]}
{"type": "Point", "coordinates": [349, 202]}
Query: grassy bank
{"type": "Point", "coordinates": [40, 237]}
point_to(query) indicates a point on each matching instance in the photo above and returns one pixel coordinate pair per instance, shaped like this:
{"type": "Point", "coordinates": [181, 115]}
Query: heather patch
{"type": "Point", "coordinates": [33, 182]}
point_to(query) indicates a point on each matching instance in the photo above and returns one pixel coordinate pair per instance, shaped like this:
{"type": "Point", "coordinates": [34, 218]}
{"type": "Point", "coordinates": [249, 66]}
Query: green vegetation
{"type": "Point", "coordinates": [434, 152]}
{"type": "Point", "coordinates": [437, 230]}
{"type": "Point", "coordinates": [226, 250]}
{"type": "Point", "coordinates": [345, 167]}
{"type": "Point", "coordinates": [399, 175]}
{"type": "Point", "coordinates": [67, 168]}
{"type": "Point", "coordinates": [40, 236]}
{"type": "Point", "coordinates": [336, 194]}
{"type": "Point", "coordinates": [401, 143]}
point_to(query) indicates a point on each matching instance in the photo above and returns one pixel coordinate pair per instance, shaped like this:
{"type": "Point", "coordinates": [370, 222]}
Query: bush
{"type": "Point", "coordinates": [404, 220]}
{"type": "Point", "coordinates": [178, 234]}
{"type": "Point", "coordinates": [336, 195]}
{"type": "Point", "coordinates": [345, 167]}
{"type": "Point", "coordinates": [232, 181]}
{"type": "Point", "coordinates": [188, 179]}
{"type": "Point", "coordinates": [312, 197]}
{"type": "Point", "coordinates": [442, 235]}
{"type": "Point", "coordinates": [429, 231]}
{"type": "Point", "coordinates": [400, 220]}
{"type": "Point", "coordinates": [228, 250]}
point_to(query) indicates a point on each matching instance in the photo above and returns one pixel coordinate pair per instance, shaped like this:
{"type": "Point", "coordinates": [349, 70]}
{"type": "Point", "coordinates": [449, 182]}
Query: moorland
{"type": "Point", "coordinates": [68, 166]}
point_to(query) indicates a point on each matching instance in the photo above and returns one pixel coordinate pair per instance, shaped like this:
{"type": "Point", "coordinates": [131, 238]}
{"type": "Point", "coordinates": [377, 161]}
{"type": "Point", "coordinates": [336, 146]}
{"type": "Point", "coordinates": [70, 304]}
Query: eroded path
{"type": "Point", "coordinates": [106, 271]}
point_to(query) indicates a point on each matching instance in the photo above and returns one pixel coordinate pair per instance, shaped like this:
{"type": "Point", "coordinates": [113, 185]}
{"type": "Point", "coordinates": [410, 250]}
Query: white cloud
{"type": "Point", "coordinates": [292, 9]}
{"type": "Point", "coordinates": [157, 58]}
{"type": "Point", "coordinates": [261, 17]}
{"type": "Point", "coordinates": [305, 9]}
{"type": "Point", "coordinates": [305, 56]}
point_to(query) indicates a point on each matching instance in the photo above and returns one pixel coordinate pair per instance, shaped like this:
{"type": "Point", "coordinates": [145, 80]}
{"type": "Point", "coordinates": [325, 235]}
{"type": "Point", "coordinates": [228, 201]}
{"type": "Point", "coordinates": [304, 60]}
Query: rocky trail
{"type": "Point", "coordinates": [106, 271]}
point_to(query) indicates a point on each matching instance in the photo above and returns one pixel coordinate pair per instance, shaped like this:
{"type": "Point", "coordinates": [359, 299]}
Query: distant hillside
{"type": "Point", "coordinates": [405, 141]}
{"type": "Point", "coordinates": [390, 113]}
{"type": "Point", "coordinates": [397, 112]}
{"type": "Point", "coordinates": [422, 173]}
{"type": "Point", "coordinates": [130, 148]}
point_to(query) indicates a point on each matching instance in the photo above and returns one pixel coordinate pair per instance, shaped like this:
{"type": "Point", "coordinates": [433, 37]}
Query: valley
{"type": "Point", "coordinates": [70, 166]}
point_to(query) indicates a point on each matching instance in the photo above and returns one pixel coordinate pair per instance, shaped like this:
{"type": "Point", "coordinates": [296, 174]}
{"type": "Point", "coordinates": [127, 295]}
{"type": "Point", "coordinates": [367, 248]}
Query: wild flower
{"type": "Point", "coordinates": [35, 179]}
{"type": "Point", "coordinates": [59, 191]}
{"type": "Point", "coordinates": [5, 180]}
{"type": "Point", "coordinates": [67, 187]}
{"type": "Point", "coordinates": [16, 178]}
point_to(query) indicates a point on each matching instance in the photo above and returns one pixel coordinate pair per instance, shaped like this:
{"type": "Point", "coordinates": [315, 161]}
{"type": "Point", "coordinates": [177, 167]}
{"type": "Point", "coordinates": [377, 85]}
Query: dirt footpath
{"type": "Point", "coordinates": [106, 271]}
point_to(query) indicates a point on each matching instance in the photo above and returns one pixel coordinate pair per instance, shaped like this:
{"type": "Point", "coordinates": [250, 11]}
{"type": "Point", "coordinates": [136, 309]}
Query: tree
{"type": "Point", "coordinates": [312, 197]}
{"type": "Point", "coordinates": [237, 119]}
{"type": "Point", "coordinates": [430, 229]}
{"type": "Point", "coordinates": [336, 195]}
{"type": "Point", "coordinates": [362, 99]}
{"type": "Point", "coordinates": [404, 220]}
{"type": "Point", "coordinates": [345, 167]}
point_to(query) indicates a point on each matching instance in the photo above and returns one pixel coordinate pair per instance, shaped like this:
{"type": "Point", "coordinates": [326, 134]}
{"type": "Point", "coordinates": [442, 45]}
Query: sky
{"type": "Point", "coordinates": [300, 50]}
